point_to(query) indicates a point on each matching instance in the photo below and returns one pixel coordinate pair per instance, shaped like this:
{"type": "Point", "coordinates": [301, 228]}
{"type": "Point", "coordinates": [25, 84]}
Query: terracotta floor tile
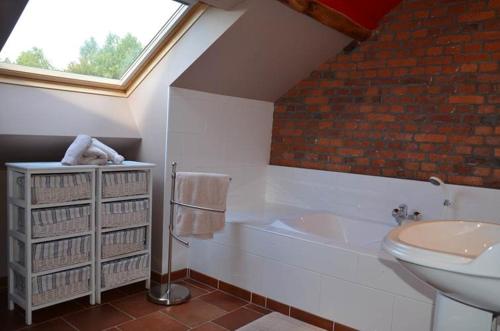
{"type": "Point", "coordinates": [209, 327]}
{"type": "Point", "coordinates": [52, 325]}
{"type": "Point", "coordinates": [278, 306]}
{"type": "Point", "coordinates": [237, 319]}
{"type": "Point", "coordinates": [195, 291]}
{"type": "Point", "coordinates": [205, 279]}
{"type": "Point", "coordinates": [136, 305]}
{"type": "Point", "coordinates": [153, 322]}
{"type": "Point", "coordinates": [98, 318]}
{"type": "Point", "coordinates": [340, 327]}
{"type": "Point", "coordinates": [195, 312]}
{"type": "Point", "coordinates": [223, 300]}
{"type": "Point", "coordinates": [258, 299]}
{"type": "Point", "coordinates": [311, 319]}
{"type": "Point", "coordinates": [258, 309]}
{"type": "Point", "coordinates": [200, 285]}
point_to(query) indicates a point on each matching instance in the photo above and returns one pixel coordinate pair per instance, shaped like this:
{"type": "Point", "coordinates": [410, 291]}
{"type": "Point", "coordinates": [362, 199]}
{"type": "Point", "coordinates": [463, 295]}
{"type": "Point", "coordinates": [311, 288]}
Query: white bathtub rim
{"type": "Point", "coordinates": [374, 248]}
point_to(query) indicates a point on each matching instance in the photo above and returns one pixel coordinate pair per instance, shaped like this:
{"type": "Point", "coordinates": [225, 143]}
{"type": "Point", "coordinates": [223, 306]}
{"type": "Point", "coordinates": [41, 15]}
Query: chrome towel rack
{"type": "Point", "coordinates": [170, 294]}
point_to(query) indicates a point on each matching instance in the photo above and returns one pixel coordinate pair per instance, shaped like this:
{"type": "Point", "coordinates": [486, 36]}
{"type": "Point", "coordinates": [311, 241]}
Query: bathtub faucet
{"type": "Point", "coordinates": [400, 214]}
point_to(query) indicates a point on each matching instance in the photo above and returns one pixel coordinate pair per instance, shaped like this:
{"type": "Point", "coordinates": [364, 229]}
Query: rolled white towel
{"type": "Point", "coordinates": [76, 149]}
{"type": "Point", "coordinates": [113, 155]}
{"type": "Point", "coordinates": [93, 156]}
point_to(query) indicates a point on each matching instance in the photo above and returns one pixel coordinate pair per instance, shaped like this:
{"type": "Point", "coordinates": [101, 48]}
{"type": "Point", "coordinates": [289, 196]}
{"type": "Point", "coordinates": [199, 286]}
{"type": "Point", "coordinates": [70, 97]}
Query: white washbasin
{"type": "Point", "coordinates": [461, 259]}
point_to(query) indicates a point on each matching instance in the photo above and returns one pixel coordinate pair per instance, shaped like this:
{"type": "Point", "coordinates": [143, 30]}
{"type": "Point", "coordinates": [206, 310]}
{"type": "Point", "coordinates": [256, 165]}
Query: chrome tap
{"type": "Point", "coordinates": [400, 214]}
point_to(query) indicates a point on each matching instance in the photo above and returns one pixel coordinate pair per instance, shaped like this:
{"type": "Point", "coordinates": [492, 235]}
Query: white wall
{"type": "Point", "coordinates": [38, 111]}
{"type": "Point", "coordinates": [215, 133]}
{"type": "Point", "coordinates": [149, 105]}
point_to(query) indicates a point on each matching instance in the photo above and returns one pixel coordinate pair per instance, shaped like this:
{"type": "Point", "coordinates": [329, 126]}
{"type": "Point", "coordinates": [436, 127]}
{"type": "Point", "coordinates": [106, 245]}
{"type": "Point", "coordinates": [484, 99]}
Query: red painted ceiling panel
{"type": "Point", "coordinates": [366, 13]}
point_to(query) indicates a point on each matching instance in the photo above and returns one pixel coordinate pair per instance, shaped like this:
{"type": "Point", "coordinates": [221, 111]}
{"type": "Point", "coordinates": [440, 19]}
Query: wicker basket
{"type": "Point", "coordinates": [58, 188]}
{"type": "Point", "coordinates": [119, 184]}
{"type": "Point", "coordinates": [60, 253]}
{"type": "Point", "coordinates": [124, 270]}
{"type": "Point", "coordinates": [123, 242]}
{"type": "Point", "coordinates": [60, 221]}
{"type": "Point", "coordinates": [56, 286]}
{"type": "Point", "coordinates": [124, 213]}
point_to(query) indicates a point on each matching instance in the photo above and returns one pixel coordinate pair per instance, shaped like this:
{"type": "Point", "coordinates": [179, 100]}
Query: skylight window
{"type": "Point", "coordinates": [104, 40]}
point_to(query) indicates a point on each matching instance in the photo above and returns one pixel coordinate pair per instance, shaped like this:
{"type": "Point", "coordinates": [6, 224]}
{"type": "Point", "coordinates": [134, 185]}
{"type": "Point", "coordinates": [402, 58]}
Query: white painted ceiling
{"type": "Point", "coordinates": [268, 50]}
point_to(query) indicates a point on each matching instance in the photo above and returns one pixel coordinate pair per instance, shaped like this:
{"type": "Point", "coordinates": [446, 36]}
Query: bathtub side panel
{"type": "Point", "coordinates": [357, 306]}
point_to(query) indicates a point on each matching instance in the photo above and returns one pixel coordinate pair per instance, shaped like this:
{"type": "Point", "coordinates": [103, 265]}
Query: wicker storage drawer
{"type": "Point", "coordinates": [123, 242]}
{"type": "Point", "coordinates": [124, 183]}
{"type": "Point", "coordinates": [55, 254]}
{"type": "Point", "coordinates": [52, 222]}
{"type": "Point", "coordinates": [58, 188]}
{"type": "Point", "coordinates": [124, 213]}
{"type": "Point", "coordinates": [56, 286]}
{"type": "Point", "coordinates": [124, 270]}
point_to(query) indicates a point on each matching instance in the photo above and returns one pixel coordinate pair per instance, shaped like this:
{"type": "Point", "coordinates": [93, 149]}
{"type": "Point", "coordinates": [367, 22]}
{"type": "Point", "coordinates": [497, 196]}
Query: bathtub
{"type": "Point", "coordinates": [333, 230]}
{"type": "Point", "coordinates": [315, 226]}
{"type": "Point", "coordinates": [327, 264]}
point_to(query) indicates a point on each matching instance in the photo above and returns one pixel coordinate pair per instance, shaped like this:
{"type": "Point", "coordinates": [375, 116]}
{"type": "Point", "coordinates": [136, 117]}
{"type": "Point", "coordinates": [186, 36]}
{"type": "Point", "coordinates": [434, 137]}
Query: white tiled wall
{"type": "Point", "coordinates": [373, 198]}
{"type": "Point", "coordinates": [216, 133]}
{"type": "Point", "coordinates": [209, 132]}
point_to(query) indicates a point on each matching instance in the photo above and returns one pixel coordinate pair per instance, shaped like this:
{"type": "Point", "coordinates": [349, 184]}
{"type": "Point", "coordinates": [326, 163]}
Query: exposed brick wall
{"type": "Point", "coordinates": [421, 97]}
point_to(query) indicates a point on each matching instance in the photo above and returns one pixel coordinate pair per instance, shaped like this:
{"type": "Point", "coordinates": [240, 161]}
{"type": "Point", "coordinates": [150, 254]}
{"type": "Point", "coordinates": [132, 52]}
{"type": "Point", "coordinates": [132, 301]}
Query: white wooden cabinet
{"type": "Point", "coordinates": [82, 222]}
{"type": "Point", "coordinates": [21, 207]}
{"type": "Point", "coordinates": [102, 230]}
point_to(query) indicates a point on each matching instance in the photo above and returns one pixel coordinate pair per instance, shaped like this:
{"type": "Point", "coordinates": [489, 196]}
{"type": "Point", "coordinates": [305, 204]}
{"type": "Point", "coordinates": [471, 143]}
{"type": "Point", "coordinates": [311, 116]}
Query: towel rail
{"type": "Point", "coordinates": [197, 207]}
{"type": "Point", "coordinates": [170, 293]}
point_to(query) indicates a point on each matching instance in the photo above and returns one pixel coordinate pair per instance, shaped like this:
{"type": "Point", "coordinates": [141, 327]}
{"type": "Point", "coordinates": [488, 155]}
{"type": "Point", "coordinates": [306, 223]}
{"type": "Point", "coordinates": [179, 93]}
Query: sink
{"type": "Point", "coordinates": [461, 259]}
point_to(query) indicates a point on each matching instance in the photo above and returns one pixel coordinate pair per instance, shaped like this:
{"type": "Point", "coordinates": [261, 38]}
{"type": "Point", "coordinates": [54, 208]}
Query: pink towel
{"type": "Point", "coordinates": [204, 190]}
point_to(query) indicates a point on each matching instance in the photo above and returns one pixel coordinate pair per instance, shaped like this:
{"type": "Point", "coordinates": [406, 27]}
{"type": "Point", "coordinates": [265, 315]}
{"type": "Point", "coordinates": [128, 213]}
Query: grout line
{"type": "Point", "coordinates": [200, 283]}
{"type": "Point", "coordinates": [218, 325]}
{"type": "Point", "coordinates": [123, 312]}
{"type": "Point", "coordinates": [69, 323]}
{"type": "Point", "coordinates": [197, 286]}
{"type": "Point", "coordinates": [179, 321]}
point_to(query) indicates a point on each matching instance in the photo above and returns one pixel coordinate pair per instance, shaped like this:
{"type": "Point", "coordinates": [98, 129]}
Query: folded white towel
{"type": "Point", "coordinates": [204, 190]}
{"type": "Point", "coordinates": [76, 149]}
{"type": "Point", "coordinates": [93, 156]}
{"type": "Point", "coordinates": [113, 155]}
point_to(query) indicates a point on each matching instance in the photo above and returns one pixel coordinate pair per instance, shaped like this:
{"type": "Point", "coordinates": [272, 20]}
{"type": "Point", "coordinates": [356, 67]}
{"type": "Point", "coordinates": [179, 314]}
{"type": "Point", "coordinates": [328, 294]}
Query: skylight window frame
{"type": "Point", "coordinates": [154, 51]}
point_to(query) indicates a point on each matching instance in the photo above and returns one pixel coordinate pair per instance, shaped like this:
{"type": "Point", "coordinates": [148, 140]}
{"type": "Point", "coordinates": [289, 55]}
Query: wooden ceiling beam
{"type": "Point", "coordinates": [329, 17]}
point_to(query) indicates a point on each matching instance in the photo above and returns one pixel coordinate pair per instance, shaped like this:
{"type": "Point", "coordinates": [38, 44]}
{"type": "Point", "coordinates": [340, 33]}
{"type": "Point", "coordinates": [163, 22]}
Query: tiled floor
{"type": "Point", "coordinates": [127, 309]}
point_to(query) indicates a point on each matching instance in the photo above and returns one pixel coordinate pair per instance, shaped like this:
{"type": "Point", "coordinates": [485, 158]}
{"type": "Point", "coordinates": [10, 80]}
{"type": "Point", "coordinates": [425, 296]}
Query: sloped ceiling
{"type": "Point", "coordinates": [263, 54]}
{"type": "Point", "coordinates": [10, 11]}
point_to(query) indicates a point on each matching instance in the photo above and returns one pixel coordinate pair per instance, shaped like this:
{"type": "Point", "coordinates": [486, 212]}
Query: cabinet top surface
{"type": "Point", "coordinates": [60, 166]}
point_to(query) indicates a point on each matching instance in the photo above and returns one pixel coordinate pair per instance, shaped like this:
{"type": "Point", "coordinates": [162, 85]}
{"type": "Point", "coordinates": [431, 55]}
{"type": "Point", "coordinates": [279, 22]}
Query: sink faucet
{"type": "Point", "coordinates": [400, 214]}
